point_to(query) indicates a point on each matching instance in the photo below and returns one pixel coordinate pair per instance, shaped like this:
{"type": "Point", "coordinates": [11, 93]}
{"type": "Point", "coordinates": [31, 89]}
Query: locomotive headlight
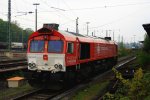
{"type": "Point", "coordinates": [29, 64]}
{"type": "Point", "coordinates": [56, 66]}
{"type": "Point", "coordinates": [60, 66]}
{"type": "Point", "coordinates": [32, 65]}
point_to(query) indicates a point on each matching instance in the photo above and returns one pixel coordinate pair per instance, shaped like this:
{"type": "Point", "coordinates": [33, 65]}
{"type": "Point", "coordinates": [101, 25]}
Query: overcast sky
{"type": "Point", "coordinates": [123, 17]}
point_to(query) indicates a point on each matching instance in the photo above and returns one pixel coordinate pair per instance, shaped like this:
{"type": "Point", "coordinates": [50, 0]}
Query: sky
{"type": "Point", "coordinates": [124, 18]}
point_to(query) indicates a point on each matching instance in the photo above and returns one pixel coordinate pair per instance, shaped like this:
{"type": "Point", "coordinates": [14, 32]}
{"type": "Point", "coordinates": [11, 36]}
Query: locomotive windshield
{"type": "Point", "coordinates": [55, 46]}
{"type": "Point", "coordinates": [37, 46]}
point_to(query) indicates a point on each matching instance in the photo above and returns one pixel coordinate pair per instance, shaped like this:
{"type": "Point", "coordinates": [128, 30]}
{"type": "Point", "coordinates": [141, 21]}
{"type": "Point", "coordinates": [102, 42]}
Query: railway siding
{"type": "Point", "coordinates": [12, 65]}
{"type": "Point", "coordinates": [101, 79]}
{"type": "Point", "coordinates": [11, 55]}
{"type": "Point", "coordinates": [82, 86]}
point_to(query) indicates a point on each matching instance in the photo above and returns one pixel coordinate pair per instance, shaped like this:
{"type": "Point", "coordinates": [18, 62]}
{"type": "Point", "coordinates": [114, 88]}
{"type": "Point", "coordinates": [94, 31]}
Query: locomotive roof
{"type": "Point", "coordinates": [71, 36]}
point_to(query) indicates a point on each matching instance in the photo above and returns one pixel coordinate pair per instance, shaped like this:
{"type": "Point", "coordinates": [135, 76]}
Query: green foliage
{"type": "Point", "coordinates": [147, 98]}
{"type": "Point", "coordinates": [17, 33]}
{"type": "Point", "coordinates": [26, 34]}
{"type": "Point", "coordinates": [146, 47]}
{"type": "Point", "coordinates": [108, 96]}
{"type": "Point", "coordinates": [3, 30]}
{"type": "Point", "coordinates": [136, 89]}
{"type": "Point", "coordinates": [90, 92]}
{"type": "Point", "coordinates": [143, 58]}
{"type": "Point", "coordinates": [122, 50]}
{"type": "Point", "coordinates": [5, 94]}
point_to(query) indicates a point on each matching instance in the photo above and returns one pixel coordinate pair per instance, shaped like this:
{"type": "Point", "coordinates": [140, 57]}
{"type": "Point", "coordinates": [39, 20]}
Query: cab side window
{"type": "Point", "coordinates": [70, 47]}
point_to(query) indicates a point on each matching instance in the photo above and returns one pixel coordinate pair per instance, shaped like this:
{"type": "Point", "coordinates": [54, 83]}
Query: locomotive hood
{"type": "Point", "coordinates": [69, 36]}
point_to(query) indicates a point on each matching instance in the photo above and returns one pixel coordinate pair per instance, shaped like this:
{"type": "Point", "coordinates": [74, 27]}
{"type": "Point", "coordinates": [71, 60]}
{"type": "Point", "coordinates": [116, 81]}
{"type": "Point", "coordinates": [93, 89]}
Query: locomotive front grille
{"type": "Point", "coordinates": [48, 65]}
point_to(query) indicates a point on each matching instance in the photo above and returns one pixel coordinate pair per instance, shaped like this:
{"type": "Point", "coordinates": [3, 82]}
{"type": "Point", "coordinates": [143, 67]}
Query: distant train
{"type": "Point", "coordinates": [17, 45]}
{"type": "Point", "coordinates": [14, 45]}
{"type": "Point", "coordinates": [59, 55]}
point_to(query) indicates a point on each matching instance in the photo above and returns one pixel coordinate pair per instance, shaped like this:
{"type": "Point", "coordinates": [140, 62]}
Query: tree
{"type": "Point", "coordinates": [135, 89]}
{"type": "Point", "coordinates": [3, 31]}
{"type": "Point", "coordinates": [16, 32]}
{"type": "Point", "coordinates": [122, 50]}
{"type": "Point", "coordinates": [26, 34]}
{"type": "Point", "coordinates": [146, 47]}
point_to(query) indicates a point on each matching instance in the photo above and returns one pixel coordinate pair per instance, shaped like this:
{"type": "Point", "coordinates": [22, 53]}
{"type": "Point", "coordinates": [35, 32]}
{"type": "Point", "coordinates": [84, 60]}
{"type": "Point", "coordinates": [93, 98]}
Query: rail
{"type": "Point", "coordinates": [40, 94]}
{"type": "Point", "coordinates": [12, 65]}
{"type": "Point", "coordinates": [82, 86]}
{"type": "Point", "coordinates": [57, 95]}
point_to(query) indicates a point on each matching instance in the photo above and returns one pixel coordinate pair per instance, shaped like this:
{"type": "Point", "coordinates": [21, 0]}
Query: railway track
{"type": "Point", "coordinates": [18, 64]}
{"type": "Point", "coordinates": [11, 65]}
{"type": "Point", "coordinates": [51, 94]}
{"type": "Point", "coordinates": [99, 77]}
{"type": "Point", "coordinates": [11, 60]}
{"type": "Point", "coordinates": [40, 94]}
{"type": "Point", "coordinates": [57, 95]}
{"type": "Point", "coordinates": [114, 82]}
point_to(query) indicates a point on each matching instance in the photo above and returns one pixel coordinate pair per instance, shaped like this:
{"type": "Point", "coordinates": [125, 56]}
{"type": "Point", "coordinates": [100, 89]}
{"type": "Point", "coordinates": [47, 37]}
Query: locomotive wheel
{"type": "Point", "coordinates": [70, 78]}
{"type": "Point", "coordinates": [84, 73]}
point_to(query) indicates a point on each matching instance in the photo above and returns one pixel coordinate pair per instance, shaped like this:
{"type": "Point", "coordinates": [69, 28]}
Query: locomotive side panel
{"type": "Point", "coordinates": [71, 53]}
{"type": "Point", "coordinates": [103, 49]}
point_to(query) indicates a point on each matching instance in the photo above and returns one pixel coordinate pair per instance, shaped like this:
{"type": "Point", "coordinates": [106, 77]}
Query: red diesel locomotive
{"type": "Point", "coordinates": [59, 55]}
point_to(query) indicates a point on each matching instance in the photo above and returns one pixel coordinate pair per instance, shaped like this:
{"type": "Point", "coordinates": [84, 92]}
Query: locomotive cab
{"type": "Point", "coordinates": [46, 51]}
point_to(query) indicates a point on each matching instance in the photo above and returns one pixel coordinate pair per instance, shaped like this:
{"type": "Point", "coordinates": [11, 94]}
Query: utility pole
{"type": "Point", "coordinates": [113, 35]}
{"type": "Point", "coordinates": [9, 25]}
{"type": "Point", "coordinates": [77, 28]}
{"type": "Point", "coordinates": [122, 39]}
{"type": "Point", "coordinates": [134, 40]}
{"type": "Point", "coordinates": [36, 4]}
{"type": "Point", "coordinates": [119, 38]}
{"type": "Point", "coordinates": [22, 41]}
{"type": "Point", "coordinates": [67, 30]}
{"type": "Point", "coordinates": [109, 33]}
{"type": "Point", "coordinates": [87, 28]}
{"type": "Point", "coordinates": [106, 33]}
{"type": "Point", "coordinates": [94, 33]}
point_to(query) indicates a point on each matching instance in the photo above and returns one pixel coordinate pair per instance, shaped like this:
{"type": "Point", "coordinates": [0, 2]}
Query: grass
{"type": "Point", "coordinates": [11, 92]}
{"type": "Point", "coordinates": [91, 91]}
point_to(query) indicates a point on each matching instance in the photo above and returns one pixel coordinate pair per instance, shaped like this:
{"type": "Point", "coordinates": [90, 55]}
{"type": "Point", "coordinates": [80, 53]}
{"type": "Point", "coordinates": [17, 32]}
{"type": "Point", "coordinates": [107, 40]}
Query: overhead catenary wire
{"type": "Point", "coordinates": [121, 5]}
{"type": "Point", "coordinates": [105, 6]}
{"type": "Point", "coordinates": [115, 21]}
{"type": "Point", "coordinates": [30, 20]}
{"type": "Point", "coordinates": [16, 5]}
{"type": "Point", "coordinates": [59, 10]}
{"type": "Point", "coordinates": [69, 7]}
{"type": "Point", "coordinates": [109, 6]}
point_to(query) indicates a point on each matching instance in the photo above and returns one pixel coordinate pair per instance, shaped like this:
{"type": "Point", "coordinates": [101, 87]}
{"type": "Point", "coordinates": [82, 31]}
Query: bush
{"type": "Point", "coordinates": [122, 51]}
{"type": "Point", "coordinates": [146, 47]}
{"type": "Point", "coordinates": [136, 89]}
{"type": "Point", "coordinates": [143, 58]}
